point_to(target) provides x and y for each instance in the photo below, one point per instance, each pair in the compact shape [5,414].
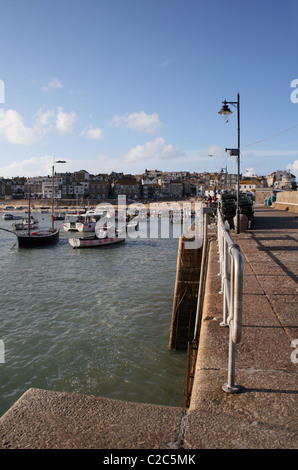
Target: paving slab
[42,419]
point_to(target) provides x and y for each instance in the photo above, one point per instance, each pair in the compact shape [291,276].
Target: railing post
[230,386]
[232,289]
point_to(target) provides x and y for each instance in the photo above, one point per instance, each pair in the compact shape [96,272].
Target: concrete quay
[262,416]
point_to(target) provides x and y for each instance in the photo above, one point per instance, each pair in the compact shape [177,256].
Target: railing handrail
[231,272]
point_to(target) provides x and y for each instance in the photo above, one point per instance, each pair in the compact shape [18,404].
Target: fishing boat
[70,221]
[99,240]
[24,224]
[42,237]
[87,222]
[104,236]
[93,241]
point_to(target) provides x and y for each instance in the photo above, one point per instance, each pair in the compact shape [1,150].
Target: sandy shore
[37,204]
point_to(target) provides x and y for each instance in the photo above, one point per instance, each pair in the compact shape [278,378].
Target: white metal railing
[231,272]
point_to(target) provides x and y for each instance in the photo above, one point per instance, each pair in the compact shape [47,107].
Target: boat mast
[53,195]
[29,210]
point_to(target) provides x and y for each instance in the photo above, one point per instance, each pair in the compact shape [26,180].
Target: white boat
[132,225]
[88,221]
[97,241]
[24,224]
[69,224]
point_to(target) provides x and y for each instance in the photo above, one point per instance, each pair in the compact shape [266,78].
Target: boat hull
[94,242]
[40,238]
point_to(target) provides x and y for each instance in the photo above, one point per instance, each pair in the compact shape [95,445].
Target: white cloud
[140,122]
[213,151]
[156,149]
[293,167]
[169,153]
[65,121]
[33,166]
[93,133]
[14,130]
[54,83]
[42,166]
[249,172]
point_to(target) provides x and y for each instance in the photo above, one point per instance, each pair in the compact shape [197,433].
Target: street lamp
[225,112]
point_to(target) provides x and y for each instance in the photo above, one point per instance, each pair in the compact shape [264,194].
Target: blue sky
[129,85]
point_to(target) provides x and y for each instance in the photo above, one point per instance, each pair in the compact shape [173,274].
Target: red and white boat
[104,239]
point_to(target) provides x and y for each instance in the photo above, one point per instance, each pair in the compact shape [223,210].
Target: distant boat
[24,224]
[58,217]
[11,217]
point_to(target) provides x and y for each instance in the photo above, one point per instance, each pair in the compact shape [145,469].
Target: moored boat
[11,217]
[87,222]
[103,237]
[58,217]
[41,237]
[70,221]
[24,224]
[92,242]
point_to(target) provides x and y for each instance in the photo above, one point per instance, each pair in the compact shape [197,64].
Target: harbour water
[92,321]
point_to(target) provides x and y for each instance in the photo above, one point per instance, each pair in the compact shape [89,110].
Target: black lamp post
[225,112]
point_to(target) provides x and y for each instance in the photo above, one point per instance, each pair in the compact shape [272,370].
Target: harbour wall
[185,296]
[189,287]
[287,201]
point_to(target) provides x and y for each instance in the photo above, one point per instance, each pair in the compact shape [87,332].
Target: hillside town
[150,185]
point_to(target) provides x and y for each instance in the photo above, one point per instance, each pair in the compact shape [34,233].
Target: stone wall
[287,201]
[262,194]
